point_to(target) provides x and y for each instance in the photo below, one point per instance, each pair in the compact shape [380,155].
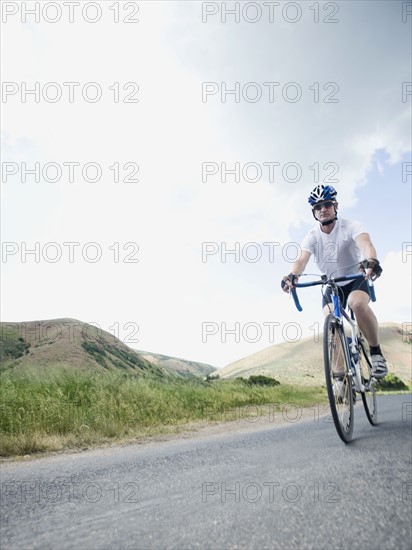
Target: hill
[183,367]
[38,346]
[302,361]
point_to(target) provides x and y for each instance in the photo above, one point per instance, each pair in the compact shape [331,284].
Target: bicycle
[348,367]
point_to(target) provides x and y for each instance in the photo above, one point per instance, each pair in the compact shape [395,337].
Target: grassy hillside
[182,367]
[302,362]
[69,343]
[38,346]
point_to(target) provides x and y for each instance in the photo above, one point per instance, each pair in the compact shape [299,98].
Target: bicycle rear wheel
[369,395]
[338,378]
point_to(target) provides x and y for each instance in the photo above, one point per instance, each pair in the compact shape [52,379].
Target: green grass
[391,382]
[81,409]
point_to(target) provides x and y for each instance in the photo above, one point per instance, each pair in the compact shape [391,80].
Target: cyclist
[336,244]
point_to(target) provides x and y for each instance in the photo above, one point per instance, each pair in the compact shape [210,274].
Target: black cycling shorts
[344,291]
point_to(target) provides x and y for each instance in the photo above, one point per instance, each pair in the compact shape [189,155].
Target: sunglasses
[326,204]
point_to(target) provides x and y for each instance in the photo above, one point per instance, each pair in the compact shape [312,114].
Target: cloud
[170,133]
[393,288]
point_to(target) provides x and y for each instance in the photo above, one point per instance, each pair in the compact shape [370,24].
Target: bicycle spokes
[338,378]
[369,383]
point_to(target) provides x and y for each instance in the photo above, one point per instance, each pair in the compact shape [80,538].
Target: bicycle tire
[336,360]
[368,396]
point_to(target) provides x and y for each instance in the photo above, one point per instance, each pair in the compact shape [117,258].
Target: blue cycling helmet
[322,193]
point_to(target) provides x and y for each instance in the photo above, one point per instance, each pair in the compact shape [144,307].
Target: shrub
[262,380]
[391,382]
[13,349]
[212,376]
[93,348]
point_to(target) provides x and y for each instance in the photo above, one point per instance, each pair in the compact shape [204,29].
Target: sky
[173,172]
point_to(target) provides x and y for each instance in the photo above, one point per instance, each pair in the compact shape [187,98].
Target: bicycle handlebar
[296,300]
[371,289]
[325,280]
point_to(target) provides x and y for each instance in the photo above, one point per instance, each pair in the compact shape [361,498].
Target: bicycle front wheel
[338,377]
[369,395]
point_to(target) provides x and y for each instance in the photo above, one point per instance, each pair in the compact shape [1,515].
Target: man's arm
[371,264]
[299,266]
[365,245]
[297,269]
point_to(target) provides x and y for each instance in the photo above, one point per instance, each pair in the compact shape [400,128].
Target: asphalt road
[290,486]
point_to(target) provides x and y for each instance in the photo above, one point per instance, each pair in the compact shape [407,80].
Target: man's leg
[327,309]
[359,302]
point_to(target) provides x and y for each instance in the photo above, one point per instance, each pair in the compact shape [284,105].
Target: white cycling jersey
[335,251]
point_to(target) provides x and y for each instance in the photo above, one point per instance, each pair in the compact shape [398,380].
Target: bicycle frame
[352,349]
[340,314]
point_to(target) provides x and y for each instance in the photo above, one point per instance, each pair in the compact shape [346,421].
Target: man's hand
[371,268]
[288,282]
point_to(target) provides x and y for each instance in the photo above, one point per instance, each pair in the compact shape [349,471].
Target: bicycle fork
[353,352]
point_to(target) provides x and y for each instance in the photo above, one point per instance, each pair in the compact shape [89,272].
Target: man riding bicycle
[337,245]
